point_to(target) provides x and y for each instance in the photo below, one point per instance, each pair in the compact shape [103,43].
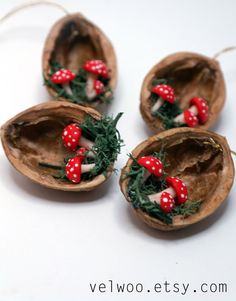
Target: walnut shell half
[34,136]
[202,159]
[192,75]
[71,42]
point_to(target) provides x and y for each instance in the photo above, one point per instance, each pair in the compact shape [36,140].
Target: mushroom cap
[73,170]
[96,67]
[98,87]
[166,92]
[167,202]
[70,136]
[180,188]
[62,76]
[190,119]
[202,107]
[152,164]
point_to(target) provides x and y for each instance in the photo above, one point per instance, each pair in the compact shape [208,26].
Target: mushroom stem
[157,105]
[90,91]
[194,110]
[155,198]
[67,88]
[179,119]
[86,143]
[146,176]
[87,167]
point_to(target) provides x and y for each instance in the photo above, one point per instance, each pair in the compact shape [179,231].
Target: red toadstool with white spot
[152,165]
[95,68]
[200,108]
[74,168]
[63,77]
[72,137]
[165,93]
[167,202]
[176,188]
[187,117]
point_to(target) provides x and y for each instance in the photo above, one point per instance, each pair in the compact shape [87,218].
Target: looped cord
[227,49]
[30,4]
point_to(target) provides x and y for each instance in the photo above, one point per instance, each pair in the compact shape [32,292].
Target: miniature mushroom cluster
[197,113]
[176,192]
[89,84]
[74,141]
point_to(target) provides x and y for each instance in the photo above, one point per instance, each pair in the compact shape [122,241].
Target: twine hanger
[227,49]
[32,3]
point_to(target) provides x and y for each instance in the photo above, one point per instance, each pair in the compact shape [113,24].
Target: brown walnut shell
[202,159]
[71,42]
[34,136]
[193,75]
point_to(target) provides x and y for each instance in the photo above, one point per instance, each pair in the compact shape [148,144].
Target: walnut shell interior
[34,136]
[193,75]
[71,42]
[201,159]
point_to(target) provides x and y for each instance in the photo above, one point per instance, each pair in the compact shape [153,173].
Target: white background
[53,244]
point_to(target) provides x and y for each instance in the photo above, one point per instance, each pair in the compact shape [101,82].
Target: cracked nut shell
[71,42]
[34,136]
[193,75]
[202,159]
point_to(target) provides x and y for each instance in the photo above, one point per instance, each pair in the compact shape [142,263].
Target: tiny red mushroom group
[72,138]
[95,69]
[176,192]
[165,93]
[197,113]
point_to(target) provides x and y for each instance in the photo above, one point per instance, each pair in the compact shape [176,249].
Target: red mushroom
[200,108]
[82,151]
[72,137]
[187,117]
[74,168]
[97,89]
[95,68]
[63,77]
[167,202]
[152,165]
[176,188]
[165,93]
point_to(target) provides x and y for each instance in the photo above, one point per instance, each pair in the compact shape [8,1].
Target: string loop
[30,4]
[227,49]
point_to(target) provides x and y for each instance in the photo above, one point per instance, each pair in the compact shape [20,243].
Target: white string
[30,4]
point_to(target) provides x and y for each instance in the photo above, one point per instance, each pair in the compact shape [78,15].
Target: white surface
[53,244]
